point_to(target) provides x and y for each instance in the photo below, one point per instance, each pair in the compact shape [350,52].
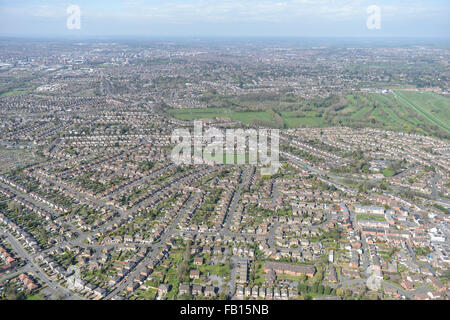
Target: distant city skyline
[288,18]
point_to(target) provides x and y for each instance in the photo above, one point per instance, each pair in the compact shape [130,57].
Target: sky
[260,18]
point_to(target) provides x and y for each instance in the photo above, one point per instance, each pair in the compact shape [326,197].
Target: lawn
[14,92]
[365,217]
[289,277]
[34,297]
[291,121]
[433,107]
[388,172]
[218,269]
[149,294]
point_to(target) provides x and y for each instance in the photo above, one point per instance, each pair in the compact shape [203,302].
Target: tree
[315,287]
[183,268]
[327,290]
[223,296]
[318,277]
[302,288]
[321,289]
[13,206]
[303,277]
[348,293]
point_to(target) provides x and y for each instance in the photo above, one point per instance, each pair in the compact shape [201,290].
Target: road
[434,181]
[31,200]
[362,282]
[365,247]
[236,198]
[233,272]
[20,250]
[142,265]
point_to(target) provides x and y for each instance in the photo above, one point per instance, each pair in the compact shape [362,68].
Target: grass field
[368,217]
[291,121]
[245,117]
[408,111]
[435,108]
[388,172]
[15,92]
[397,114]
[34,297]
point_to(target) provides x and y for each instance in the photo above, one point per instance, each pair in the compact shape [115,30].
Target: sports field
[434,108]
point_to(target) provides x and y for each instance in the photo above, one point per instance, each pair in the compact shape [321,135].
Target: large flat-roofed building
[243,270]
[290,269]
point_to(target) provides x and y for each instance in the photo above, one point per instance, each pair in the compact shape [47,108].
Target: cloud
[190,11]
[226,13]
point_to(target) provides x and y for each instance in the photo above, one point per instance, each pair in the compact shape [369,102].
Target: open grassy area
[388,172]
[422,112]
[435,108]
[149,294]
[218,269]
[293,121]
[35,297]
[408,111]
[366,217]
[14,92]
[247,117]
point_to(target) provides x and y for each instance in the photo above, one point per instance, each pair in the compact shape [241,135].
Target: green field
[411,111]
[408,111]
[388,172]
[292,121]
[247,117]
[15,92]
[34,297]
[368,217]
[435,108]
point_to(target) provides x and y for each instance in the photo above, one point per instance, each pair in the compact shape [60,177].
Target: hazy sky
[301,18]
